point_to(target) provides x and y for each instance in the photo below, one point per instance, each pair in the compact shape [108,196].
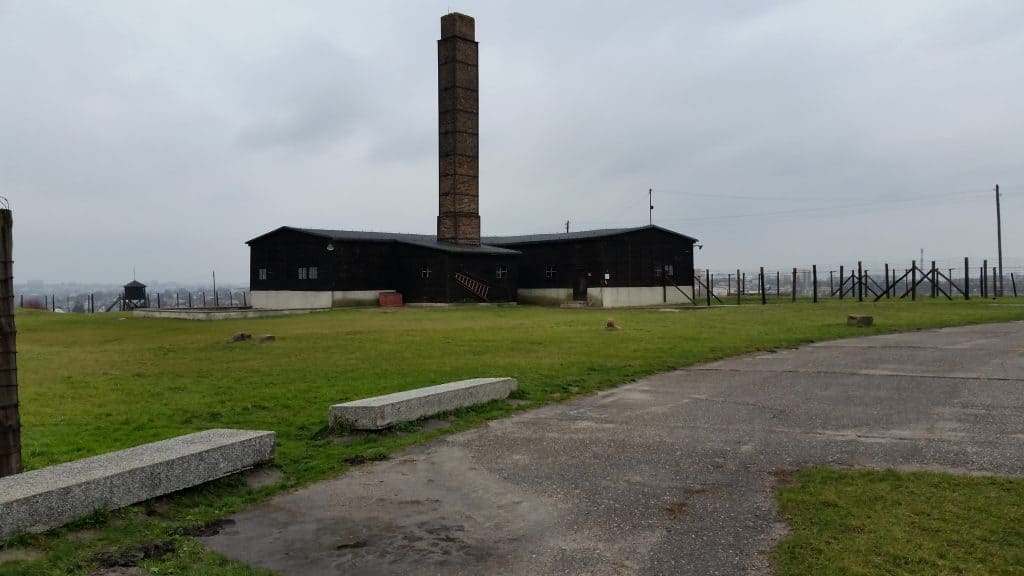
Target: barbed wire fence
[112,301]
[914,280]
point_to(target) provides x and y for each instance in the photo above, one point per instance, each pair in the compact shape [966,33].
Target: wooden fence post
[10,420]
[967,279]
[887,286]
[707,281]
[913,279]
[761,282]
[792,287]
[860,281]
[814,282]
[739,291]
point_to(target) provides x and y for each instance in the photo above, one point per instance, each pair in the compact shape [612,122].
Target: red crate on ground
[389,299]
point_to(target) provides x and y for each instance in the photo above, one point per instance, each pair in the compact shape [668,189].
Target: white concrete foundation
[544,296]
[357,297]
[622,297]
[313,299]
[290,299]
[217,313]
[42,499]
[383,411]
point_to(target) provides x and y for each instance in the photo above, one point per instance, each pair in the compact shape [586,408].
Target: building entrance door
[579,289]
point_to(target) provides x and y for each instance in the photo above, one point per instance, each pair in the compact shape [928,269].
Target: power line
[813,210]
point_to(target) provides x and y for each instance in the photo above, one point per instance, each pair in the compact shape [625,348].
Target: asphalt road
[673,474]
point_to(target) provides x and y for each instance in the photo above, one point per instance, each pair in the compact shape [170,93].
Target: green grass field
[866,522]
[92,384]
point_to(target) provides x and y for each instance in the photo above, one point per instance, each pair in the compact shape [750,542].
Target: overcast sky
[163,135]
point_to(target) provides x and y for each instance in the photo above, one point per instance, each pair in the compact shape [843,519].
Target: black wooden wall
[376,265]
[637,258]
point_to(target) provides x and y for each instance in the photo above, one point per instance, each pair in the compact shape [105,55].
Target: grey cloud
[167,134]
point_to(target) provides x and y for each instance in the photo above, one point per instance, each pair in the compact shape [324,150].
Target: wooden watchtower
[134,295]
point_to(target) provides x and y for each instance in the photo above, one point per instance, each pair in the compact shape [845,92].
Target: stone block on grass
[383,411]
[46,498]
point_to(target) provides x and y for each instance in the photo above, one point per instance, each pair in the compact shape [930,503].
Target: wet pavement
[673,474]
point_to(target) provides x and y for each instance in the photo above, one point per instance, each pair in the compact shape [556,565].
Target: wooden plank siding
[375,265]
[636,258]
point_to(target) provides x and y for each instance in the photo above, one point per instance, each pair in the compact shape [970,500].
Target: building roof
[570,236]
[490,244]
[135,284]
[422,240]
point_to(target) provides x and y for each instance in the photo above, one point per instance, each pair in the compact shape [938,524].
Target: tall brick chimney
[458,219]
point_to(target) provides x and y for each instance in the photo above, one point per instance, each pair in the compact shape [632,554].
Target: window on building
[261,273]
[669,270]
[501,271]
[302,273]
[550,272]
[425,272]
[313,273]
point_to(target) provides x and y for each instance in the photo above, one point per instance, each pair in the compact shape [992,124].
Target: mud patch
[121,558]
[209,529]
[20,554]
[120,571]
[434,424]
[675,509]
[783,477]
[358,459]
[257,478]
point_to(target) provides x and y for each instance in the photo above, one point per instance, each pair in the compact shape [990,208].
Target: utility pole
[999,243]
[650,203]
[10,421]
[215,289]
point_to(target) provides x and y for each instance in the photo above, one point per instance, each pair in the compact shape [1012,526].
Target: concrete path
[673,474]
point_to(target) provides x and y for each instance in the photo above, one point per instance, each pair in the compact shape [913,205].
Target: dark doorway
[579,289]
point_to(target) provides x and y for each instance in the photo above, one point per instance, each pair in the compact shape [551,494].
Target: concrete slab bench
[383,411]
[42,499]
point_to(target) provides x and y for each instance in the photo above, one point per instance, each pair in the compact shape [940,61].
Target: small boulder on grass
[241,336]
[859,321]
[611,325]
[267,338]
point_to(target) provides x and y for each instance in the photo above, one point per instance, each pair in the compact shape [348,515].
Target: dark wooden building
[609,268]
[314,268]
